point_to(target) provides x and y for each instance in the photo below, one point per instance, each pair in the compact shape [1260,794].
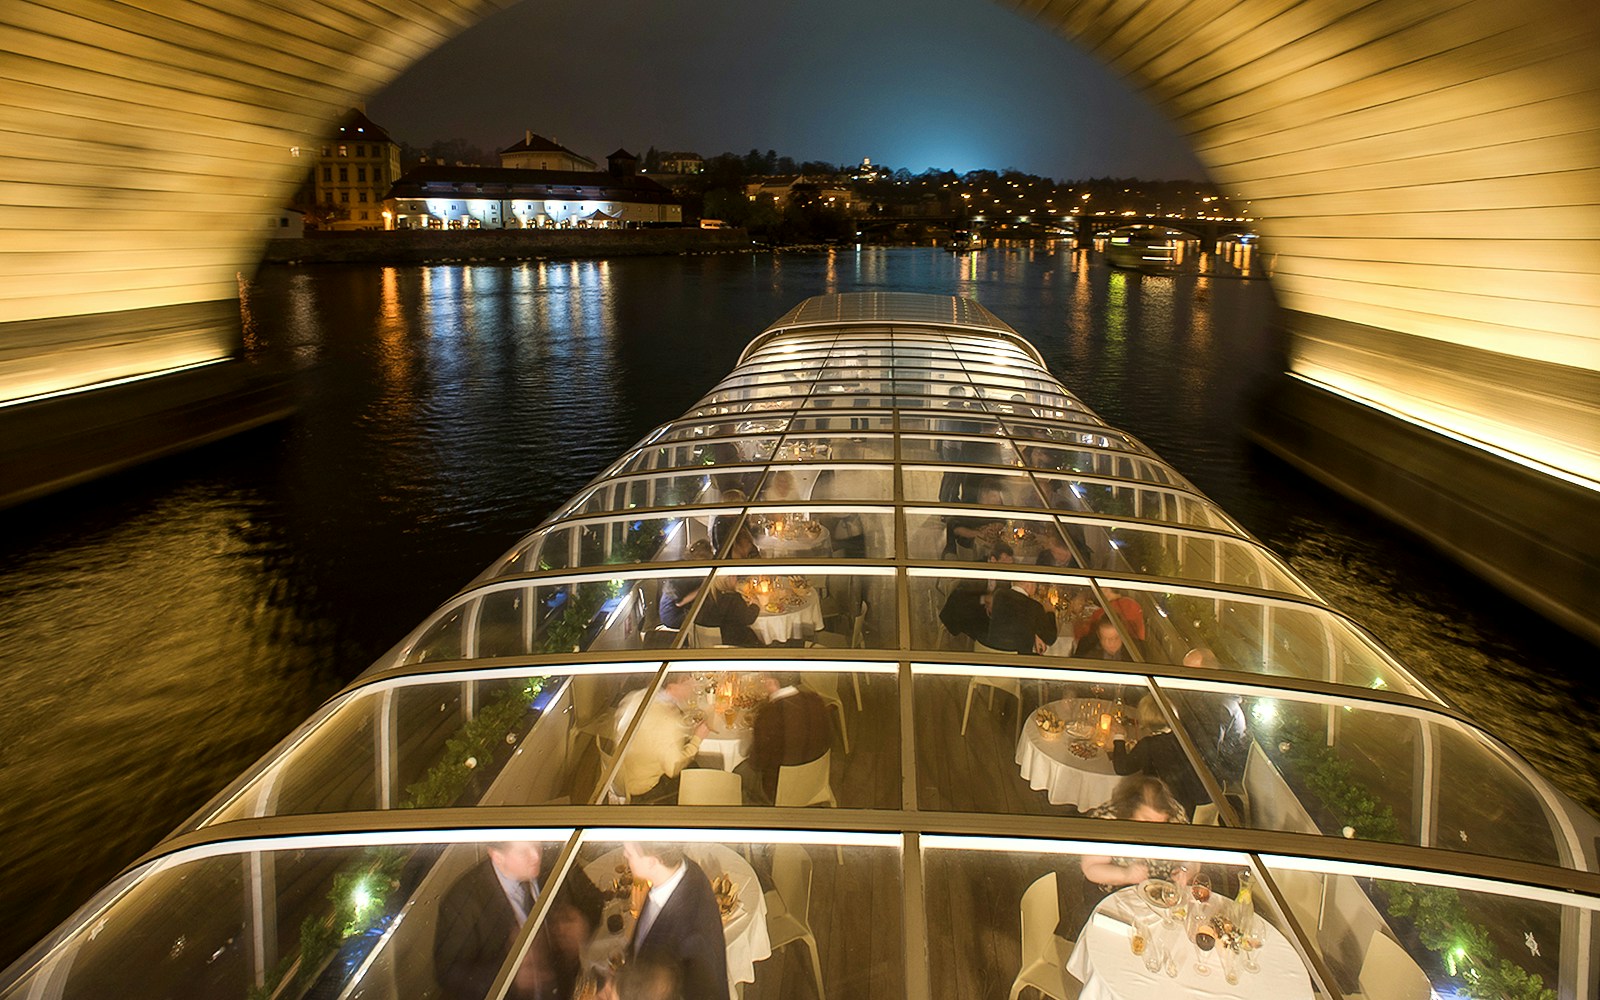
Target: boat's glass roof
[891,509]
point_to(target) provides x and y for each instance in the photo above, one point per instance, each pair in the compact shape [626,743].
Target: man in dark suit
[791,728]
[679,927]
[1019,623]
[482,913]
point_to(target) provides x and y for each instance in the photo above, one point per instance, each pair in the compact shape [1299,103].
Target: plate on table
[1080,730]
[1160,893]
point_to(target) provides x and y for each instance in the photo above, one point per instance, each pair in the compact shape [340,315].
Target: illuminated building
[440,197]
[350,175]
[535,152]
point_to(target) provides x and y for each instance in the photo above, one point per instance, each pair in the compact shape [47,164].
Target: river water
[162,629]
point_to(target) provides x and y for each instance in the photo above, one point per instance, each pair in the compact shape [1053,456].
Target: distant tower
[622,163]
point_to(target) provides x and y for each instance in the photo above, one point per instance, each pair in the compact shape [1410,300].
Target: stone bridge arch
[1426,171]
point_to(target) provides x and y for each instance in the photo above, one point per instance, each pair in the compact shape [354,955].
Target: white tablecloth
[773,547]
[723,747]
[1109,970]
[796,624]
[1052,768]
[745,934]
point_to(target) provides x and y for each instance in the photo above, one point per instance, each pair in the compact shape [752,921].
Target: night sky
[961,84]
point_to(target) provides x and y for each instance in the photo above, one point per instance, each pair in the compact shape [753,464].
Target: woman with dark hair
[1140,798]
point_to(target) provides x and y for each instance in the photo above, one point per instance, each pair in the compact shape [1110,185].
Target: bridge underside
[1425,173]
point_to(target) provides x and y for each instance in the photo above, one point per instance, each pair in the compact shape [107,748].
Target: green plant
[1438,914]
[565,633]
[359,893]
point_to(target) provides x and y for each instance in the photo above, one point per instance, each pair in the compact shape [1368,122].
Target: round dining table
[1050,766]
[744,931]
[798,622]
[795,542]
[1105,963]
[725,746]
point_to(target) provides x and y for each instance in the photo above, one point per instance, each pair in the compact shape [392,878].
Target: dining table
[790,608]
[1071,768]
[1103,960]
[791,538]
[744,930]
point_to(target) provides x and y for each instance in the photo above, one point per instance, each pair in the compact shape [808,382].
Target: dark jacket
[963,612]
[791,730]
[1015,619]
[476,927]
[1160,756]
[687,937]
[734,615]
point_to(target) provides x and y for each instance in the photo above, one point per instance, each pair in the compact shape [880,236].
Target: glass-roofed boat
[887,670]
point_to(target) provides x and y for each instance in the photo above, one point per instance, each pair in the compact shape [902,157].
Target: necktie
[530,893]
[647,919]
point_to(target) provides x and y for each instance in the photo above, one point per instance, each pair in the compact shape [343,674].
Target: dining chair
[803,785]
[826,686]
[1044,955]
[616,794]
[1205,814]
[789,905]
[1302,894]
[1010,685]
[706,636]
[705,786]
[856,640]
[1388,973]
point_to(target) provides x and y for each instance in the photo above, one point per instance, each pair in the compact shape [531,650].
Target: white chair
[1044,956]
[1302,894]
[980,647]
[704,786]
[789,905]
[803,785]
[826,687]
[857,640]
[1010,685]
[1388,973]
[1205,814]
[706,637]
[616,794]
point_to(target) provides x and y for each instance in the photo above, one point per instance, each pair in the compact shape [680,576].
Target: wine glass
[1205,941]
[1251,938]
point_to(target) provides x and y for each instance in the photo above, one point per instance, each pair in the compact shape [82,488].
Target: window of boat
[705,736]
[1097,462]
[840,901]
[1366,770]
[822,447]
[784,605]
[1408,933]
[1078,915]
[993,488]
[841,531]
[554,615]
[1110,496]
[1254,635]
[1178,553]
[692,487]
[825,481]
[690,430]
[722,451]
[959,534]
[953,609]
[513,736]
[956,447]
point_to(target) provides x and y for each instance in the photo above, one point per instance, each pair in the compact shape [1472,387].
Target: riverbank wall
[427,246]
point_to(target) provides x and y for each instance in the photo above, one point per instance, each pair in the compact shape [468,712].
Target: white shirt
[655,902]
[783,692]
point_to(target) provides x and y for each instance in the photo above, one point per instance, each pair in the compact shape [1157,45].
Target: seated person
[1158,754]
[1105,644]
[727,608]
[662,744]
[678,592]
[1127,609]
[1142,799]
[791,727]
[966,610]
[485,907]
[1019,623]
[731,527]
[780,486]
[963,533]
[679,927]
[1053,550]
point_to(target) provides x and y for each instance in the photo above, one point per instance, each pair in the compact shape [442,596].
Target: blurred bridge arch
[1427,173]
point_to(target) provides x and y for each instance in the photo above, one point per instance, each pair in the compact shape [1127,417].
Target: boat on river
[1142,248]
[998,601]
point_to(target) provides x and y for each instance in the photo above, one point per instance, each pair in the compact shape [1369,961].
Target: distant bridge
[1083,228]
